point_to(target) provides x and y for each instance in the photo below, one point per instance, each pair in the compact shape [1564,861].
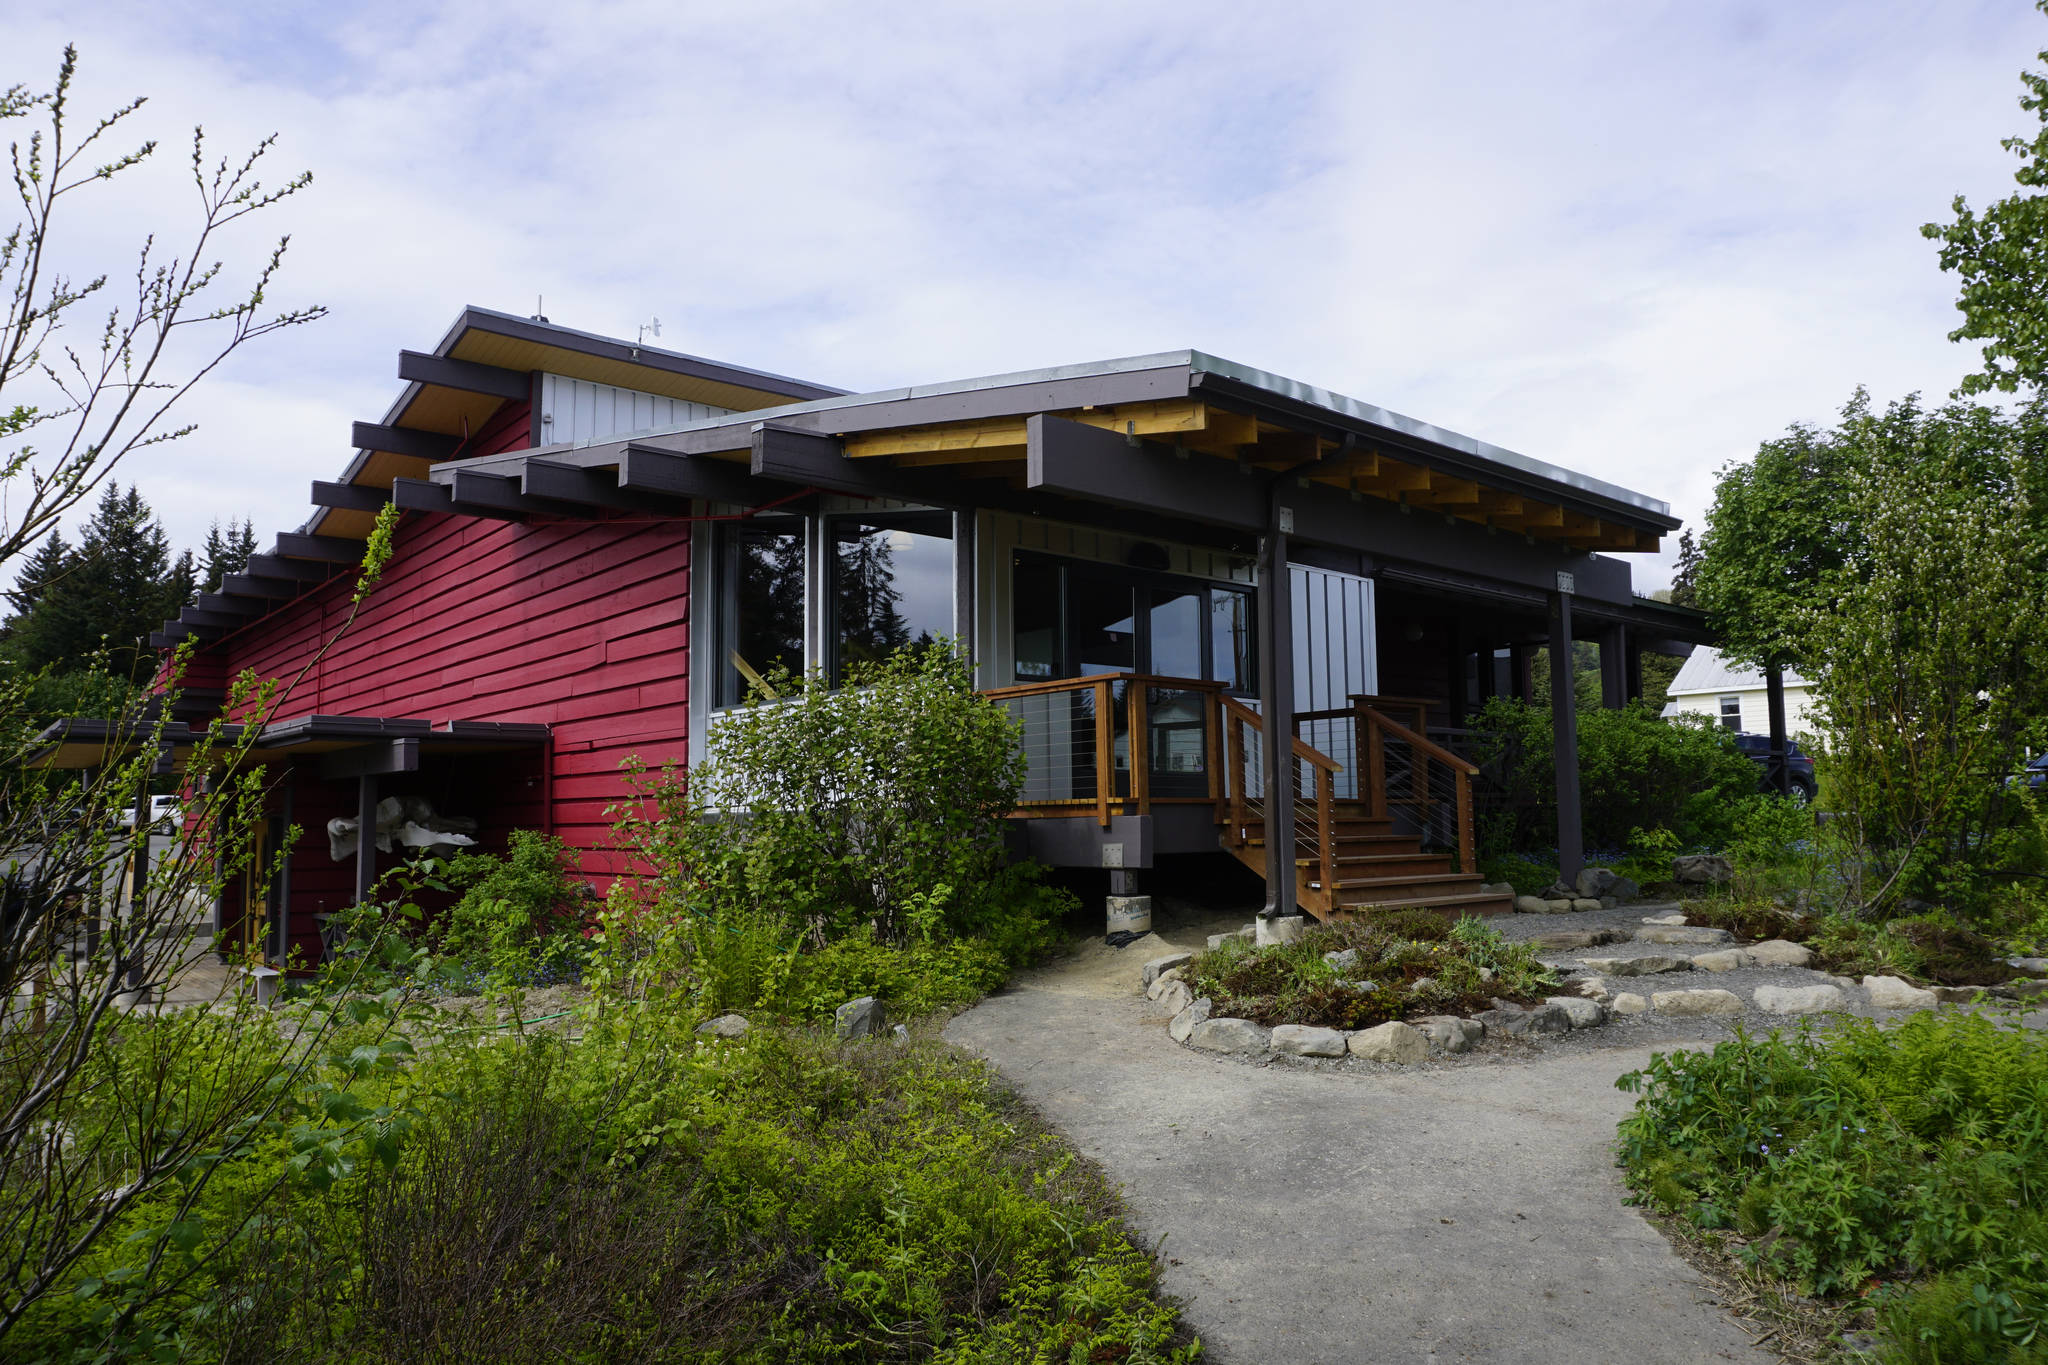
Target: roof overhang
[99,743]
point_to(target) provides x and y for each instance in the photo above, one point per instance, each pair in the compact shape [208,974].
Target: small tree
[1930,679]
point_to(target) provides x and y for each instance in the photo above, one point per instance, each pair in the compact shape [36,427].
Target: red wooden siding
[583,626]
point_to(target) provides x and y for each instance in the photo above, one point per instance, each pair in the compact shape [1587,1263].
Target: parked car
[1758,747]
[164,813]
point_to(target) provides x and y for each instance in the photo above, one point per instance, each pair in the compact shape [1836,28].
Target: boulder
[1682,933]
[1623,889]
[1237,1037]
[1344,959]
[1779,953]
[1561,905]
[1531,905]
[1183,1024]
[2026,988]
[2037,965]
[860,1018]
[1304,1040]
[725,1026]
[1581,1013]
[1175,998]
[1390,1042]
[1497,888]
[1277,929]
[1628,1002]
[1696,1002]
[1702,869]
[1218,940]
[1799,999]
[1160,965]
[1449,1033]
[1609,902]
[1595,988]
[1890,993]
[1585,903]
[1637,966]
[1595,881]
[1557,891]
[1512,1021]
[1165,979]
[1570,940]
[1668,917]
[1959,995]
[901,1032]
[1723,960]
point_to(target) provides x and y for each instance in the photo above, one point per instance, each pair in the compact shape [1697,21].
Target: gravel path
[1350,1212]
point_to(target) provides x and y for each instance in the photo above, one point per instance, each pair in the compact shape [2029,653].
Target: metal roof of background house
[1706,671]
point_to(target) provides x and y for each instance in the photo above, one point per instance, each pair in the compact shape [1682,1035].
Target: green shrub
[521,916]
[916,980]
[1855,1154]
[1529,876]
[1636,770]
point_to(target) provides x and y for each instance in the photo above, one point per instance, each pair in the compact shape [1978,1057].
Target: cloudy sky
[1631,238]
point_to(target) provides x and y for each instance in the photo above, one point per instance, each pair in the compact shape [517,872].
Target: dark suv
[1758,747]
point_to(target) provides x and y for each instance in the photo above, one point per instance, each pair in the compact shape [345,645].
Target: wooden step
[1349,845]
[1469,903]
[1444,883]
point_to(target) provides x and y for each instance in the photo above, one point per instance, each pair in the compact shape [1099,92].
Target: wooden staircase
[1376,868]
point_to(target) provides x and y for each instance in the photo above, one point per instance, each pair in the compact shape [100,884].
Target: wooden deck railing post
[1105,752]
[1235,729]
[1212,750]
[1466,841]
[1376,765]
[1326,833]
[1140,745]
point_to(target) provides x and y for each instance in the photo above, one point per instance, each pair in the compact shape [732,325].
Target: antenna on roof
[647,328]
[538,315]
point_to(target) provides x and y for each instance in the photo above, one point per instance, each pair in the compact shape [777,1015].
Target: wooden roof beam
[467,376]
[320,549]
[423,445]
[349,497]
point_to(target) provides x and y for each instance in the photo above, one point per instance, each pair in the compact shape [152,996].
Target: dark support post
[366,836]
[1779,773]
[1521,678]
[1564,720]
[1632,665]
[1456,655]
[1125,882]
[963,580]
[1276,708]
[1613,671]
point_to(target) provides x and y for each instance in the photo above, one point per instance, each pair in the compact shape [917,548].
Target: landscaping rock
[2028,964]
[1595,881]
[1450,1033]
[1512,1021]
[1570,940]
[1628,1002]
[1176,997]
[1163,980]
[1890,993]
[1279,929]
[1595,988]
[860,1018]
[1560,906]
[1531,905]
[1421,984]
[1305,1040]
[1682,933]
[1799,999]
[1609,902]
[725,1026]
[1343,959]
[1960,995]
[1779,953]
[1637,966]
[1184,1023]
[1723,960]
[1158,966]
[1390,1042]
[1218,940]
[1672,917]
[1559,891]
[1584,903]
[1702,869]
[902,1032]
[1696,1002]
[1625,890]
[2027,988]
[1580,1012]
[1497,888]
[1238,1037]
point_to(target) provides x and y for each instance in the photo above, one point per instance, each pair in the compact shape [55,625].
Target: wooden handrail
[1435,751]
[1302,750]
[1157,680]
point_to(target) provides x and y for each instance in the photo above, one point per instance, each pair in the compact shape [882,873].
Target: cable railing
[1080,756]
[1419,784]
[1315,840]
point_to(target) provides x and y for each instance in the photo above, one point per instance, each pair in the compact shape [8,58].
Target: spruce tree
[120,585]
[41,571]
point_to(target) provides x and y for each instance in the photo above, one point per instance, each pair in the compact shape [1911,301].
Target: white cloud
[1627,239]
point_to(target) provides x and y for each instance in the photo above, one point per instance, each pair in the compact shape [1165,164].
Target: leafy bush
[521,916]
[1408,963]
[1529,876]
[1906,1160]
[1636,770]
[870,813]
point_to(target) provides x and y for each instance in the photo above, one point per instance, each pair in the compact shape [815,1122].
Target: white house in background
[1709,685]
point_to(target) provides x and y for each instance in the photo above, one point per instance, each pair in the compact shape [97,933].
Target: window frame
[1138,581]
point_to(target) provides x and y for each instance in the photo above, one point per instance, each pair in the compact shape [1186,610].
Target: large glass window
[892,584]
[1177,632]
[1230,640]
[1071,619]
[765,563]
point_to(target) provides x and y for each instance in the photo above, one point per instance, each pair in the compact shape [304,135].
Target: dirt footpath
[1337,1215]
